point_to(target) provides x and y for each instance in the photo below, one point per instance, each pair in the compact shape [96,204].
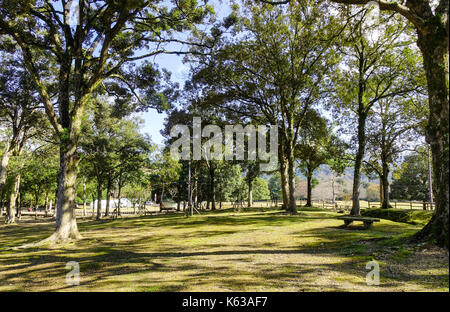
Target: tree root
[55,239]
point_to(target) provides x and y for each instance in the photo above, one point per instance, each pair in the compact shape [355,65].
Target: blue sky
[153,121]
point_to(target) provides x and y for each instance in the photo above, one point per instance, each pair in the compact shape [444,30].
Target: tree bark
[358,163]
[84,197]
[434,47]
[309,189]
[250,193]
[119,191]
[385,185]
[212,175]
[46,204]
[66,225]
[283,176]
[4,166]
[291,173]
[430,177]
[11,211]
[108,198]
[99,199]
[381,189]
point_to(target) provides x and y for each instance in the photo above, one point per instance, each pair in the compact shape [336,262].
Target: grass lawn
[255,250]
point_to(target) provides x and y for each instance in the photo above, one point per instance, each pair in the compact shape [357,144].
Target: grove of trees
[347,92]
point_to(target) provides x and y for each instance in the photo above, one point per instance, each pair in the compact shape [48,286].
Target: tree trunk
[430,177]
[381,189]
[66,224]
[36,204]
[213,186]
[84,197]
[99,199]
[434,47]
[161,205]
[11,211]
[19,204]
[46,204]
[4,166]
[385,185]
[309,189]
[108,198]
[118,201]
[250,193]
[291,173]
[283,174]
[358,163]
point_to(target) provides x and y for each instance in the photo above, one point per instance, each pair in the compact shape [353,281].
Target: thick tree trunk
[4,166]
[284,181]
[11,211]
[434,47]
[430,179]
[291,173]
[19,204]
[66,224]
[381,190]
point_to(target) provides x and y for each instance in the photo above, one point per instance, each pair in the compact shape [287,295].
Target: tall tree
[376,66]
[392,129]
[311,148]
[410,179]
[88,52]
[431,22]
[271,71]
[20,112]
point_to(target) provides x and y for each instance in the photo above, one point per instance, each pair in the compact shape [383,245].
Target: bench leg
[367,225]
[347,222]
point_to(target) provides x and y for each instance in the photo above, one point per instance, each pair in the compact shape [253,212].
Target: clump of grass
[354,249]
[401,255]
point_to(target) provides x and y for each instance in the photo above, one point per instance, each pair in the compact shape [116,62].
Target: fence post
[395,204]
[410,204]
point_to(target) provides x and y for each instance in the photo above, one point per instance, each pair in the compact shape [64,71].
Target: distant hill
[343,185]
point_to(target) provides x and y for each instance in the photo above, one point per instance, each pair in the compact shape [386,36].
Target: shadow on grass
[172,266]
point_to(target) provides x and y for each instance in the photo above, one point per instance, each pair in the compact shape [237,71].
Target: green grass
[419,217]
[254,250]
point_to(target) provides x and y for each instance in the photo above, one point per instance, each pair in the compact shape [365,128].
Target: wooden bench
[168,209]
[367,221]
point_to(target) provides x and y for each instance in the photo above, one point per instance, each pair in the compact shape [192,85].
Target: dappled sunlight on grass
[255,250]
